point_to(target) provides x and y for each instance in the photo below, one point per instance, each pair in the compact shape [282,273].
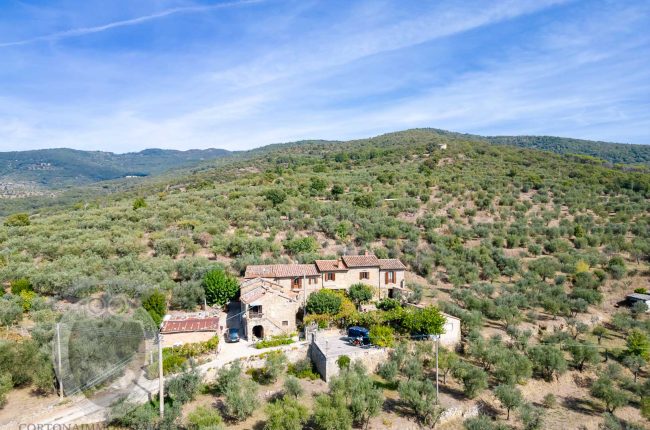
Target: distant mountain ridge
[616,153]
[26,173]
[63,167]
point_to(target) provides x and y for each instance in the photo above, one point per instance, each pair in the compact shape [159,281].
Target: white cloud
[325,84]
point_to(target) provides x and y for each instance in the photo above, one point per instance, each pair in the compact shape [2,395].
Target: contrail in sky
[76,32]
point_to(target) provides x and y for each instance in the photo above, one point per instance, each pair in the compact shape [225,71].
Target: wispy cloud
[297,69]
[76,32]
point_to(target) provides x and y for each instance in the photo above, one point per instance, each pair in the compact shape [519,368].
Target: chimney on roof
[366,253]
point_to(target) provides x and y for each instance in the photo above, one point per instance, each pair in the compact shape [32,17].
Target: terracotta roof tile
[252,295]
[391,264]
[360,260]
[190,325]
[255,289]
[280,270]
[330,266]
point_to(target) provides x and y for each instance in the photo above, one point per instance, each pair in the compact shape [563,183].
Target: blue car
[233,335]
[358,336]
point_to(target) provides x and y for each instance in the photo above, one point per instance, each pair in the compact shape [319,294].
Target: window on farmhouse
[390,277]
[330,276]
[285,323]
[296,283]
[313,281]
[364,275]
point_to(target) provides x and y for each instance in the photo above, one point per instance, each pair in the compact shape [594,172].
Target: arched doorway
[258,332]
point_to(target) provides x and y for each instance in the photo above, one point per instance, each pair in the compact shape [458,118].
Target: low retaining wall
[325,360]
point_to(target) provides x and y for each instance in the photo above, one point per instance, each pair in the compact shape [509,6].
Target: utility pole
[304,293]
[58,358]
[436,338]
[161,382]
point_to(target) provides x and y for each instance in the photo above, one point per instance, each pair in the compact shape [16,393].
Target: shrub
[277,340]
[332,413]
[549,401]
[547,361]
[11,310]
[303,369]
[301,245]
[389,370]
[19,285]
[474,379]
[286,414]
[364,400]
[183,387]
[175,358]
[388,304]
[139,203]
[324,302]
[168,247]
[343,362]
[531,416]
[187,295]
[220,287]
[155,303]
[275,196]
[5,386]
[481,422]
[425,321]
[382,335]
[292,387]
[240,398]
[638,344]
[420,396]
[616,267]
[17,220]
[605,390]
[365,201]
[203,418]
[273,368]
[226,376]
[360,293]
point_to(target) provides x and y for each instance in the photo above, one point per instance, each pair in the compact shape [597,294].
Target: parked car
[358,336]
[232,335]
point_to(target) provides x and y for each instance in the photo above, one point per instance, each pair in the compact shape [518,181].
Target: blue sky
[126,75]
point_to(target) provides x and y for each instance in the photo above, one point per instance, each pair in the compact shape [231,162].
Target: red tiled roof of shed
[190,325]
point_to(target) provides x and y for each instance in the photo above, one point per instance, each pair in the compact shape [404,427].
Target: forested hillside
[613,153]
[57,168]
[617,153]
[531,250]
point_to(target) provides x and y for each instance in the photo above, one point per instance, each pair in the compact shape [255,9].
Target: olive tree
[509,396]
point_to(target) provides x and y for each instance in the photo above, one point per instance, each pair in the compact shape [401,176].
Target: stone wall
[325,361]
[278,316]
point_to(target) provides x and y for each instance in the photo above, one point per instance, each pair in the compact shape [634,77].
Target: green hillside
[617,153]
[531,250]
[614,153]
[57,168]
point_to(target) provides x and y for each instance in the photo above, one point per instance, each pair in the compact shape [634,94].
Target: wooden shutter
[386,274]
[333,276]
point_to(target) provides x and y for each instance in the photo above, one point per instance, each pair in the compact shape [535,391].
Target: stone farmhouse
[271,295]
